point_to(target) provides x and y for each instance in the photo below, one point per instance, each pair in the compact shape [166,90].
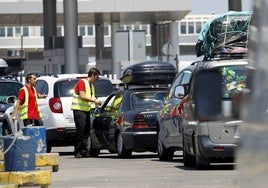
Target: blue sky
[216,6]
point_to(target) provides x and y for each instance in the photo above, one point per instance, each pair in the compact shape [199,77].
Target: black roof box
[149,72]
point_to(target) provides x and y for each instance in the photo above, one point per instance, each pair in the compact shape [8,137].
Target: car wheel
[188,160]
[122,152]
[49,147]
[200,162]
[163,153]
[5,131]
[94,152]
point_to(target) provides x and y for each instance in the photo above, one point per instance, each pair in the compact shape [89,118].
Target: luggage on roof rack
[227,33]
[149,72]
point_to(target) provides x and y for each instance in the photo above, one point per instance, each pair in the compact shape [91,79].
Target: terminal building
[56,36]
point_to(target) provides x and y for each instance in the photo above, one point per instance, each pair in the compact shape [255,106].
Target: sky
[216,6]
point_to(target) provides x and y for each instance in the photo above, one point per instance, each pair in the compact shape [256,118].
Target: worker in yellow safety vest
[27,103]
[83,102]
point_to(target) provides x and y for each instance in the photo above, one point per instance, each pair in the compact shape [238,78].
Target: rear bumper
[210,150]
[61,137]
[140,141]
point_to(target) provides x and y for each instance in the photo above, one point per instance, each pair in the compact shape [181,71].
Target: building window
[59,31]
[2,31]
[198,27]
[183,28]
[34,31]
[106,30]
[82,30]
[90,31]
[17,31]
[25,31]
[191,28]
[10,32]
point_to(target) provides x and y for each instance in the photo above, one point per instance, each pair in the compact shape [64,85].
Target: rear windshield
[148,100]
[234,80]
[65,88]
[9,89]
[103,88]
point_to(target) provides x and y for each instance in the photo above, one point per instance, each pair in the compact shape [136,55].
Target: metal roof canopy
[30,12]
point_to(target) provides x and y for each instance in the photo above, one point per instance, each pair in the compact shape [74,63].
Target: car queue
[143,114]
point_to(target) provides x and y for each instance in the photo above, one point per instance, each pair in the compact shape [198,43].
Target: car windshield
[234,80]
[147,100]
[9,89]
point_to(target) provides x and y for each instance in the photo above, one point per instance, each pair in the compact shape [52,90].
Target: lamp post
[21,56]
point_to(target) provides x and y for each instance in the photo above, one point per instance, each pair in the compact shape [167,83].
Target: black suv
[9,88]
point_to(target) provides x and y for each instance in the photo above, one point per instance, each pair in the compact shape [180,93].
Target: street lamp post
[21,56]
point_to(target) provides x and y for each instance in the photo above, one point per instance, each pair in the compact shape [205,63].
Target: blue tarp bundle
[227,33]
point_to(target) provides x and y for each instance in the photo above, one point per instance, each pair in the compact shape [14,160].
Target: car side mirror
[207,94]
[180,91]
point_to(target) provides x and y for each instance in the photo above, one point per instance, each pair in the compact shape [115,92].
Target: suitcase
[149,72]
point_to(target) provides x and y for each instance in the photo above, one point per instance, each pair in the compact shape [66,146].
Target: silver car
[207,140]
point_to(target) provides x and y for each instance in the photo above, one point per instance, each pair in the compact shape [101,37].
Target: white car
[56,107]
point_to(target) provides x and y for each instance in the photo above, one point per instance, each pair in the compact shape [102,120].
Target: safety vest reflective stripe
[23,110]
[83,105]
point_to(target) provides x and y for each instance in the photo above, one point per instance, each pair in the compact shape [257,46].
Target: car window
[41,86]
[64,88]
[146,100]
[234,80]
[186,77]
[9,89]
[103,88]
[182,78]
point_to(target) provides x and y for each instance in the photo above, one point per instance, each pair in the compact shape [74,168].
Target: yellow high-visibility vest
[83,105]
[23,110]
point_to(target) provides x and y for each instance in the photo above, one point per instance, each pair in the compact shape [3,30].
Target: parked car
[208,140]
[127,122]
[56,108]
[169,122]
[9,88]
[128,119]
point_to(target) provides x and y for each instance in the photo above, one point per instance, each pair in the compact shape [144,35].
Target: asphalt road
[142,170]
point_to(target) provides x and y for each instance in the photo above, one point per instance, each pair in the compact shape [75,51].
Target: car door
[169,118]
[105,121]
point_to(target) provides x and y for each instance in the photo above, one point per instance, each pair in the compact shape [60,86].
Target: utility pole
[235,5]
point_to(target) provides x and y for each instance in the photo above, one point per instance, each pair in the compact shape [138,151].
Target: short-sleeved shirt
[80,86]
[32,106]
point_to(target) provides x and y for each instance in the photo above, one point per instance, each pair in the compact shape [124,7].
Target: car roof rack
[143,86]
[9,77]
[48,74]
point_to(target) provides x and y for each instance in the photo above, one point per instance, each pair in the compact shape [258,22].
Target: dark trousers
[33,122]
[82,124]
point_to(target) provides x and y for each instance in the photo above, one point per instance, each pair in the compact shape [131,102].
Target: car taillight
[139,122]
[55,105]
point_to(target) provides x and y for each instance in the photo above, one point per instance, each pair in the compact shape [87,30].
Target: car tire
[200,162]
[49,147]
[5,131]
[163,153]
[94,152]
[122,152]
[188,160]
